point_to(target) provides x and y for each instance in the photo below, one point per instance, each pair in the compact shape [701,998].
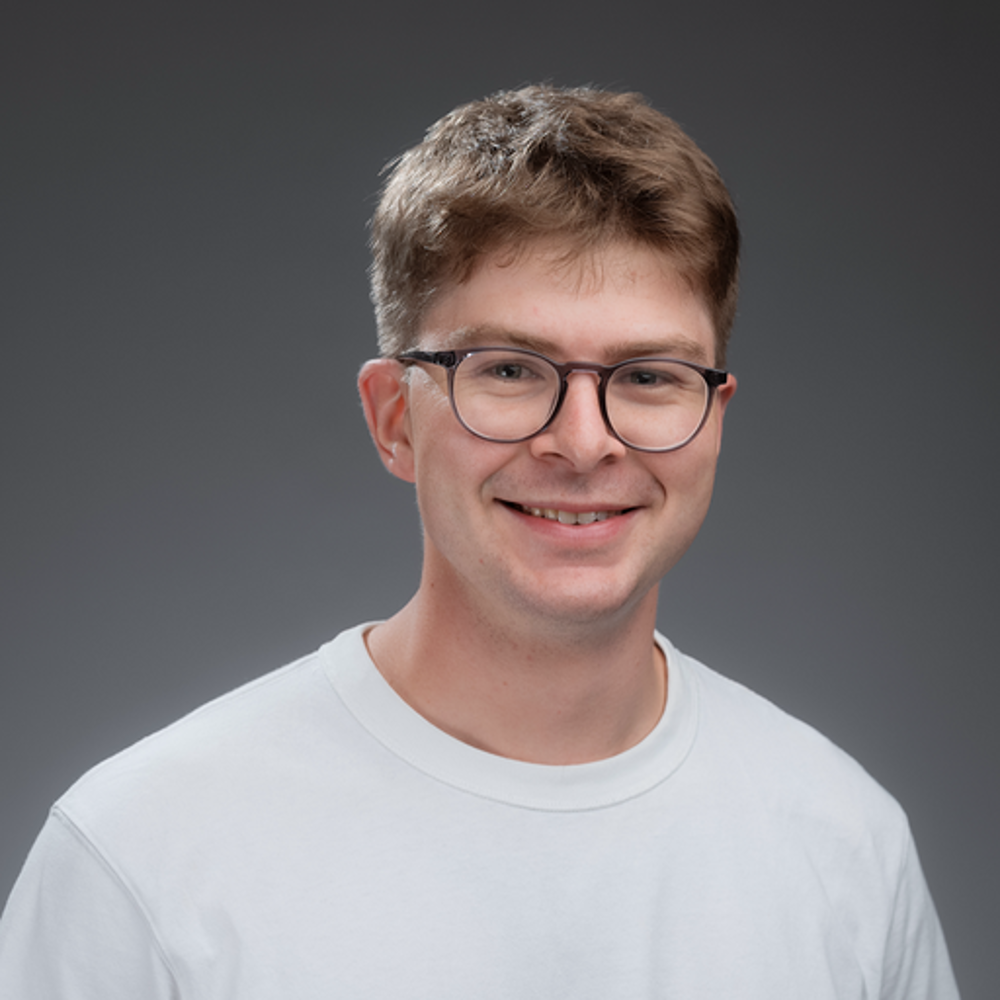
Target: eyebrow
[675,345]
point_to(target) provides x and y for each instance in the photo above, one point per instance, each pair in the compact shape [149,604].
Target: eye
[657,383]
[507,375]
[509,371]
[491,367]
[651,377]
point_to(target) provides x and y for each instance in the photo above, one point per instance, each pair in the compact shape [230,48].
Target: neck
[545,692]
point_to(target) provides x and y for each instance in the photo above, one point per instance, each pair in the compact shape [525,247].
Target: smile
[567,516]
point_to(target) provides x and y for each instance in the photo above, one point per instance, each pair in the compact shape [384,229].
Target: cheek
[688,478]
[448,477]
[687,484]
[433,430]
[687,468]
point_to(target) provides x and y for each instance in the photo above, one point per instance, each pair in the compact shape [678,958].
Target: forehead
[606,304]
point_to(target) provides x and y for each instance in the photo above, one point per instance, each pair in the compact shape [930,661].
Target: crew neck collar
[569,787]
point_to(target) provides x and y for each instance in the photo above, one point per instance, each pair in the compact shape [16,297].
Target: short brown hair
[583,165]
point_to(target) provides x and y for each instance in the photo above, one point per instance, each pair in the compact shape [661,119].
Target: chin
[580,607]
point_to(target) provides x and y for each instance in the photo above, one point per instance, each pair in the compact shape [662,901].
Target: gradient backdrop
[189,497]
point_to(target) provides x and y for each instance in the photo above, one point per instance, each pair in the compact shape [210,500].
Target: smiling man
[545,533]
[515,787]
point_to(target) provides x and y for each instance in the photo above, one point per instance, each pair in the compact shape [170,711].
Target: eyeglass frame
[450,360]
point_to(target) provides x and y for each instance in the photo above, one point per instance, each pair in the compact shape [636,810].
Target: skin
[526,637]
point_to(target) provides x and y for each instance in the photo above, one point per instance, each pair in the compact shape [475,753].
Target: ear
[385,399]
[723,394]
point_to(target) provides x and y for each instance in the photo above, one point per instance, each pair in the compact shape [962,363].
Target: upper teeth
[569,516]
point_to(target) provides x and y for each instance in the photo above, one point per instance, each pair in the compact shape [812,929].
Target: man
[514,787]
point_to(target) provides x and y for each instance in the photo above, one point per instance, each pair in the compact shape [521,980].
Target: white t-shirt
[311,837]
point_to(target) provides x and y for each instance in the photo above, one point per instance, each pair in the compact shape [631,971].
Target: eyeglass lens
[508,396]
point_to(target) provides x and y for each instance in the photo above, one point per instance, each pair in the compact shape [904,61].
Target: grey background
[189,497]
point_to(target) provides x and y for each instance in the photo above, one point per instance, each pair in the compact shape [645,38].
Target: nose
[579,434]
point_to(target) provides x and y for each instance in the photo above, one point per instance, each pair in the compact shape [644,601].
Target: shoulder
[786,768]
[815,837]
[252,739]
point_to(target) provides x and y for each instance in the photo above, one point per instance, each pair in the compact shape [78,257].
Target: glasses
[507,395]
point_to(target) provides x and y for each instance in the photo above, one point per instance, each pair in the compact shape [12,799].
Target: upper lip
[570,508]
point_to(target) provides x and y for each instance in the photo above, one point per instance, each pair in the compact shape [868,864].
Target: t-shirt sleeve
[72,929]
[917,965]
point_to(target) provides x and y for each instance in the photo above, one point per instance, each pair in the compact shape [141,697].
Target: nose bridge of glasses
[582,367]
[599,374]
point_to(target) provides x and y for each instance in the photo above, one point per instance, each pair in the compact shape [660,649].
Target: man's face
[482,543]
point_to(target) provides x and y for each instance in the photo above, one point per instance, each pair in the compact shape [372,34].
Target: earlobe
[384,399]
